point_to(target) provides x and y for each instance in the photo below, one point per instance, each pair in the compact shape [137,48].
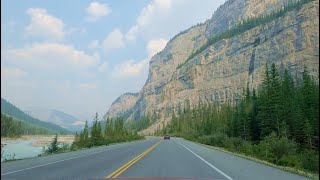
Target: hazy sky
[79,56]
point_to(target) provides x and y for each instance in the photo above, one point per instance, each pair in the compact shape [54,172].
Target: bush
[237,142]
[273,148]
[218,139]
[290,160]
[205,140]
[247,148]
[310,160]
[228,144]
[283,146]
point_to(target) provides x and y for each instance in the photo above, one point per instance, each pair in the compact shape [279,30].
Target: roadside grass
[9,158]
[285,168]
[83,148]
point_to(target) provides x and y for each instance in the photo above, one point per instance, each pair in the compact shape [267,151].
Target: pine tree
[53,145]
[287,103]
[275,98]
[86,132]
[96,136]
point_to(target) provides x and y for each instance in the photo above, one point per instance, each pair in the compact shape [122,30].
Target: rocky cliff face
[221,71]
[122,106]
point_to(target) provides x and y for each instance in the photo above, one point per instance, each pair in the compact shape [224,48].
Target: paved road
[146,158]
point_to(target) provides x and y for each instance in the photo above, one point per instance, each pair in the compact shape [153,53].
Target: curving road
[152,157]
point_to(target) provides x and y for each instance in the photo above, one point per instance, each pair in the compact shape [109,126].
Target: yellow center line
[126,166]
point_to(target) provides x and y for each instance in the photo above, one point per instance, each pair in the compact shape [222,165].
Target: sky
[79,56]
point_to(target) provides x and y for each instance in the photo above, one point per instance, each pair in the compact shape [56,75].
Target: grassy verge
[83,148]
[288,169]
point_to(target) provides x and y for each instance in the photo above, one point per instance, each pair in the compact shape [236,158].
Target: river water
[20,148]
[29,146]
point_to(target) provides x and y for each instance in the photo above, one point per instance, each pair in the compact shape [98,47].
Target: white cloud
[129,68]
[148,13]
[97,10]
[7,72]
[44,25]
[103,67]
[50,58]
[113,40]
[175,16]
[93,44]
[132,33]
[156,45]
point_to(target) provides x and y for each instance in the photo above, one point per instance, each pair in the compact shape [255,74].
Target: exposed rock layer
[223,70]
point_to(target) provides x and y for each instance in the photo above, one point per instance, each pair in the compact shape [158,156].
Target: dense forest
[13,111]
[279,122]
[10,127]
[96,135]
[246,25]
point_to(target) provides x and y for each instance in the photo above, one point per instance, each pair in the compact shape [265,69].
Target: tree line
[113,131]
[246,25]
[11,127]
[278,122]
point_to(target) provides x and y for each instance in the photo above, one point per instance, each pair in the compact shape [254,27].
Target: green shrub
[246,148]
[273,148]
[228,144]
[283,146]
[310,160]
[290,160]
[205,139]
[237,142]
[218,139]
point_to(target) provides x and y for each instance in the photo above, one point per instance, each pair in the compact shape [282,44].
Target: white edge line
[212,166]
[58,161]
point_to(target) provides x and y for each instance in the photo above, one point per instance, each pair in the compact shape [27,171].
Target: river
[27,146]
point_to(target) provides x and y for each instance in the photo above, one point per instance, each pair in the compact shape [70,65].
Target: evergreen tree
[86,132]
[265,108]
[54,146]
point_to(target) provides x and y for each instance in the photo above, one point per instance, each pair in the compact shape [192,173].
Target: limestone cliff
[221,71]
[122,106]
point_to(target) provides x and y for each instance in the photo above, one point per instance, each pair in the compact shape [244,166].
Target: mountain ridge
[13,111]
[57,117]
[223,69]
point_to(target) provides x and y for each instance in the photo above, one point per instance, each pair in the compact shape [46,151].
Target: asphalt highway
[152,157]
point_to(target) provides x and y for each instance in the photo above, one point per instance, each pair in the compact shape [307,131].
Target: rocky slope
[122,106]
[221,71]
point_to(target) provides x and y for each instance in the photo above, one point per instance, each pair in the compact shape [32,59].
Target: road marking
[212,166]
[126,166]
[57,161]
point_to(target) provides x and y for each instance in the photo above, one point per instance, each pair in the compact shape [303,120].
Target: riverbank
[38,140]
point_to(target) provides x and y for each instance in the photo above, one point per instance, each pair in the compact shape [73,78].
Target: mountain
[214,61]
[122,107]
[11,110]
[59,118]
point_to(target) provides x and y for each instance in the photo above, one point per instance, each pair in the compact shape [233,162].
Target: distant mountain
[11,110]
[57,117]
[122,107]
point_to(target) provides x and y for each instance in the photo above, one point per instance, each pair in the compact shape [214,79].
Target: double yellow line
[124,167]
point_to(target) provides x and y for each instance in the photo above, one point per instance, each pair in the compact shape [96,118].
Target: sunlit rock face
[224,69]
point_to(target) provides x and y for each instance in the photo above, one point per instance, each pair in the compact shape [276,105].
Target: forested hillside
[9,109]
[11,127]
[278,122]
